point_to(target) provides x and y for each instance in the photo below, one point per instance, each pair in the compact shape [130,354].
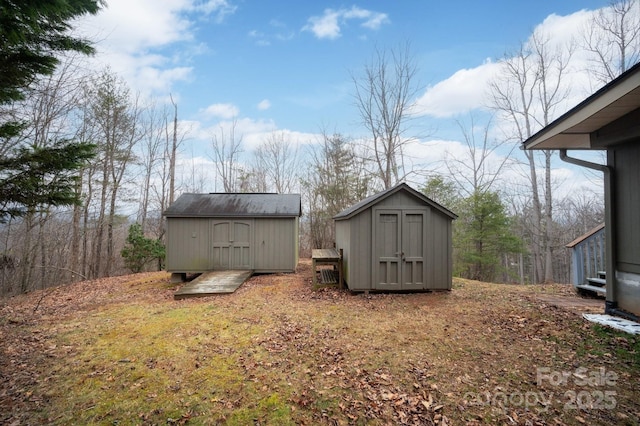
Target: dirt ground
[121,350]
[573,303]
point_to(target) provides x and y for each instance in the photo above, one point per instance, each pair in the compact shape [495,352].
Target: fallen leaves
[281,351]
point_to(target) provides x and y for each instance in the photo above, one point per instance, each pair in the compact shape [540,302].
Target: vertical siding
[275,245]
[627,207]
[343,241]
[296,241]
[440,235]
[355,237]
[361,252]
[188,245]
[626,212]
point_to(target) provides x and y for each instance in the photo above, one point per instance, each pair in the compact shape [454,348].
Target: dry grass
[122,351]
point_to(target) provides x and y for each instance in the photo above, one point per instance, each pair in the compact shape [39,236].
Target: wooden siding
[440,247]
[275,245]
[355,240]
[268,245]
[343,240]
[356,237]
[188,245]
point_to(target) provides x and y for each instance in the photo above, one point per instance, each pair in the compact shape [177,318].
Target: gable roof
[573,129]
[235,205]
[369,201]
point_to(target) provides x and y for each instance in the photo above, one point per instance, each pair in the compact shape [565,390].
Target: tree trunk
[548,228]
[536,251]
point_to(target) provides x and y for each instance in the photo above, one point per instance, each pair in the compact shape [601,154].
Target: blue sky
[287,65]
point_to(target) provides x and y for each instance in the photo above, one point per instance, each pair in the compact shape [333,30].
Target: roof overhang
[577,129]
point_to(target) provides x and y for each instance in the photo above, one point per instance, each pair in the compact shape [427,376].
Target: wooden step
[599,290]
[602,274]
[597,281]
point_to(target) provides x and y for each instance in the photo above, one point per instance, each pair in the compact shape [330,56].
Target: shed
[258,232]
[397,239]
[608,120]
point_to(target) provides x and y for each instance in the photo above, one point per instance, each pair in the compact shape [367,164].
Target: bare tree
[115,115]
[151,153]
[526,93]
[613,38]
[227,147]
[277,159]
[173,152]
[478,170]
[383,96]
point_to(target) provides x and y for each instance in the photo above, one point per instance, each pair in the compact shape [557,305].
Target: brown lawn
[122,351]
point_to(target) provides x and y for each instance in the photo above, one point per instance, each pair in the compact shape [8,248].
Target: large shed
[397,239]
[258,232]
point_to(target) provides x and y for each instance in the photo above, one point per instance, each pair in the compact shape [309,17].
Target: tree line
[87,167]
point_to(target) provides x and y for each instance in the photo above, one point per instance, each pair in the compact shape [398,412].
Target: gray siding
[272,244]
[626,212]
[628,292]
[440,247]
[356,234]
[627,206]
[188,245]
[343,241]
[354,237]
[275,245]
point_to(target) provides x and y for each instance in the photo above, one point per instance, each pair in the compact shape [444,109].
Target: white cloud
[329,24]
[466,89]
[462,92]
[148,42]
[219,8]
[264,105]
[223,111]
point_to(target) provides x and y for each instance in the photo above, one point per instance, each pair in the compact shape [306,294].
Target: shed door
[231,244]
[399,252]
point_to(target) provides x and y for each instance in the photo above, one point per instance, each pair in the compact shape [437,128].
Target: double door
[232,244]
[399,249]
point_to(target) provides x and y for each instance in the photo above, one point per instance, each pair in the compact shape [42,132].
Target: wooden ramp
[212,283]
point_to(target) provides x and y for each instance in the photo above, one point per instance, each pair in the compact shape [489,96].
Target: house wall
[274,244]
[625,159]
[355,235]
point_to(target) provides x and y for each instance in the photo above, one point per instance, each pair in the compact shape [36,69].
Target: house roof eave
[573,129]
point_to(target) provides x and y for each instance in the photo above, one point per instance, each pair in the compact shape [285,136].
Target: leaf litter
[276,352]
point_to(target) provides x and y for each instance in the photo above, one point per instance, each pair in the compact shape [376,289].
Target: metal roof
[369,201]
[236,205]
[573,129]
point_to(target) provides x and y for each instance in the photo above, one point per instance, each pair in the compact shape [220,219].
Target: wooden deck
[213,283]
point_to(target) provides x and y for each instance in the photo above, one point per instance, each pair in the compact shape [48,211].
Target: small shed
[258,232]
[397,239]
